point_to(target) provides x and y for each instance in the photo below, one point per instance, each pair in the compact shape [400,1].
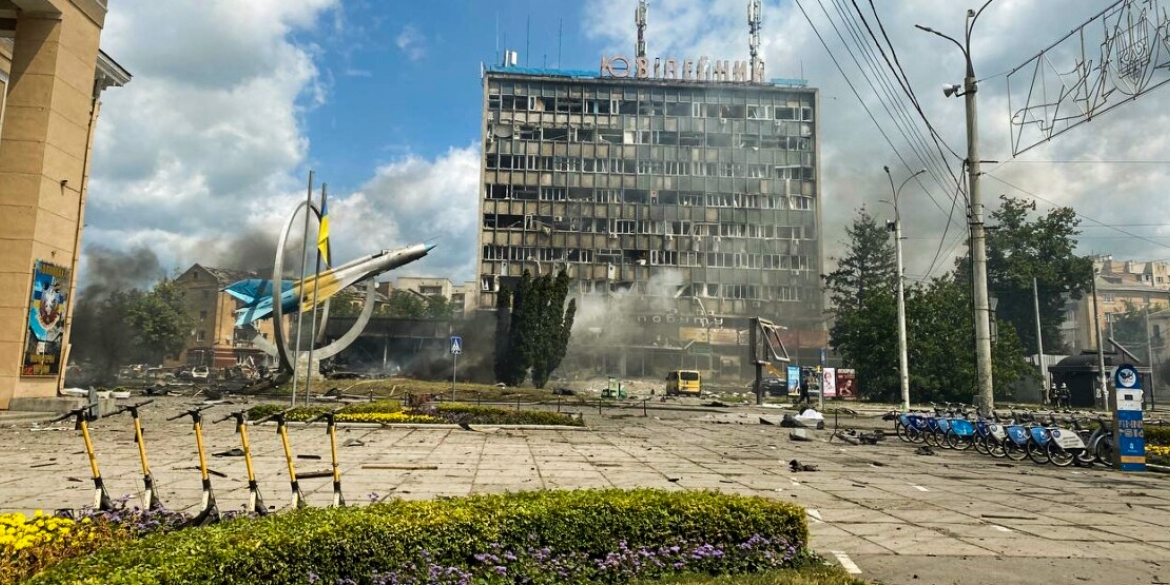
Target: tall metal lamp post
[896,227]
[985,396]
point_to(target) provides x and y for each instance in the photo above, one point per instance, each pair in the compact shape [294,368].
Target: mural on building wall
[46,320]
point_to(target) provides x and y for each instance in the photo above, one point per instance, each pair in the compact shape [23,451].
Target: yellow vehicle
[684,383]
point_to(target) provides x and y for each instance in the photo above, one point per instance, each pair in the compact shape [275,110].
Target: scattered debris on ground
[797,466]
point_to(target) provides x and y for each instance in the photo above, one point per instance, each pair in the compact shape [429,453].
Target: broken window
[718,140]
[678,109]
[759,112]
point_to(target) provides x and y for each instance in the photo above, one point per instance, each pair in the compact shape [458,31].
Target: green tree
[439,307]
[160,321]
[554,324]
[868,265]
[941,344]
[403,304]
[533,331]
[863,293]
[100,336]
[1023,247]
[503,365]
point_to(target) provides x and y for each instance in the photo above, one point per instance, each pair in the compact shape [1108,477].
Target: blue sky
[407,80]
[201,157]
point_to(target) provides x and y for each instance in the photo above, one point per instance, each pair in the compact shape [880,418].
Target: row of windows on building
[648,257]
[803,170]
[659,107]
[643,197]
[788,138]
[592,225]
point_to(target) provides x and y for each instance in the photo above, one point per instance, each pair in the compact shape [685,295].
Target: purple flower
[313,577]
[501,570]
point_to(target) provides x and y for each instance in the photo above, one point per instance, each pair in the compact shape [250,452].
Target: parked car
[774,386]
[200,373]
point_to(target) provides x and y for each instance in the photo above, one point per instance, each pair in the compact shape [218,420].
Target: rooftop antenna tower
[640,20]
[755,17]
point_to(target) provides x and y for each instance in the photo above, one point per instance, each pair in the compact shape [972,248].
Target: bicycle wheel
[960,443]
[901,430]
[1057,455]
[994,447]
[1035,452]
[931,438]
[1087,456]
[915,435]
[980,444]
[950,439]
[1013,450]
[1104,451]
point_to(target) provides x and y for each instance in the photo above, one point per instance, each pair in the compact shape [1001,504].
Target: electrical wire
[1080,215]
[885,106]
[904,79]
[903,120]
[852,88]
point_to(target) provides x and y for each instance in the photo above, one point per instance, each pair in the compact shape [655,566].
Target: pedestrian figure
[1065,399]
[804,395]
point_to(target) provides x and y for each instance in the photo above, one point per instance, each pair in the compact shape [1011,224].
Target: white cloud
[211,122]
[853,152]
[411,41]
[412,200]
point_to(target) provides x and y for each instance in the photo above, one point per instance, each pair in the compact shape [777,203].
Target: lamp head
[950,89]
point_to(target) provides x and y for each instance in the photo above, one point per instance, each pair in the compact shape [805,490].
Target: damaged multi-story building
[682,196]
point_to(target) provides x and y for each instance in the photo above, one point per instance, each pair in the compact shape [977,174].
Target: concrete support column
[44,147]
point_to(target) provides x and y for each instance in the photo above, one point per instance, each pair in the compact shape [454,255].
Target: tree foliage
[130,326]
[862,289]
[534,332]
[939,323]
[1023,247]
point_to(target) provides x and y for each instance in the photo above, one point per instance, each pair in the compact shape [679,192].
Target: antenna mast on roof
[755,17]
[640,20]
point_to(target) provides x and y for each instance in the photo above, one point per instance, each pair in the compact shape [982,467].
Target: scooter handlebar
[192,412]
[130,407]
[70,414]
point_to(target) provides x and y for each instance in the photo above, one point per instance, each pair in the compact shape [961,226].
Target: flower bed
[594,536]
[29,544]
[390,411]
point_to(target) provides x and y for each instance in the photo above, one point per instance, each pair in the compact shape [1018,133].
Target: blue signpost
[1127,419]
[456,349]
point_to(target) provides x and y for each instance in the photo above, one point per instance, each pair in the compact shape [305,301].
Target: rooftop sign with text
[704,69]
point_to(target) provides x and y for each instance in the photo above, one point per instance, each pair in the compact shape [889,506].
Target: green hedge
[1157,435]
[354,543]
[304,413]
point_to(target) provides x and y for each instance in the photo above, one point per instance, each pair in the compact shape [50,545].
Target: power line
[1080,215]
[849,82]
[924,158]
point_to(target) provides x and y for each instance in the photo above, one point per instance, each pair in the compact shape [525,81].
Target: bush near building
[543,537]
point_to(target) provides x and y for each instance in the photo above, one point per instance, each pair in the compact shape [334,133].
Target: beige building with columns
[51,75]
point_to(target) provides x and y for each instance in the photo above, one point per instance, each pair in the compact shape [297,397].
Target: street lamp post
[978,238]
[903,362]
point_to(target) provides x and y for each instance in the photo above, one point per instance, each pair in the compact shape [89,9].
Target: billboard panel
[46,320]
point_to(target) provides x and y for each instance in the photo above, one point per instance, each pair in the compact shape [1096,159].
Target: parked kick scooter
[255,500]
[210,512]
[298,499]
[101,498]
[331,426]
[150,496]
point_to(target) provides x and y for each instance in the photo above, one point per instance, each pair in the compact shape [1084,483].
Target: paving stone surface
[900,517]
